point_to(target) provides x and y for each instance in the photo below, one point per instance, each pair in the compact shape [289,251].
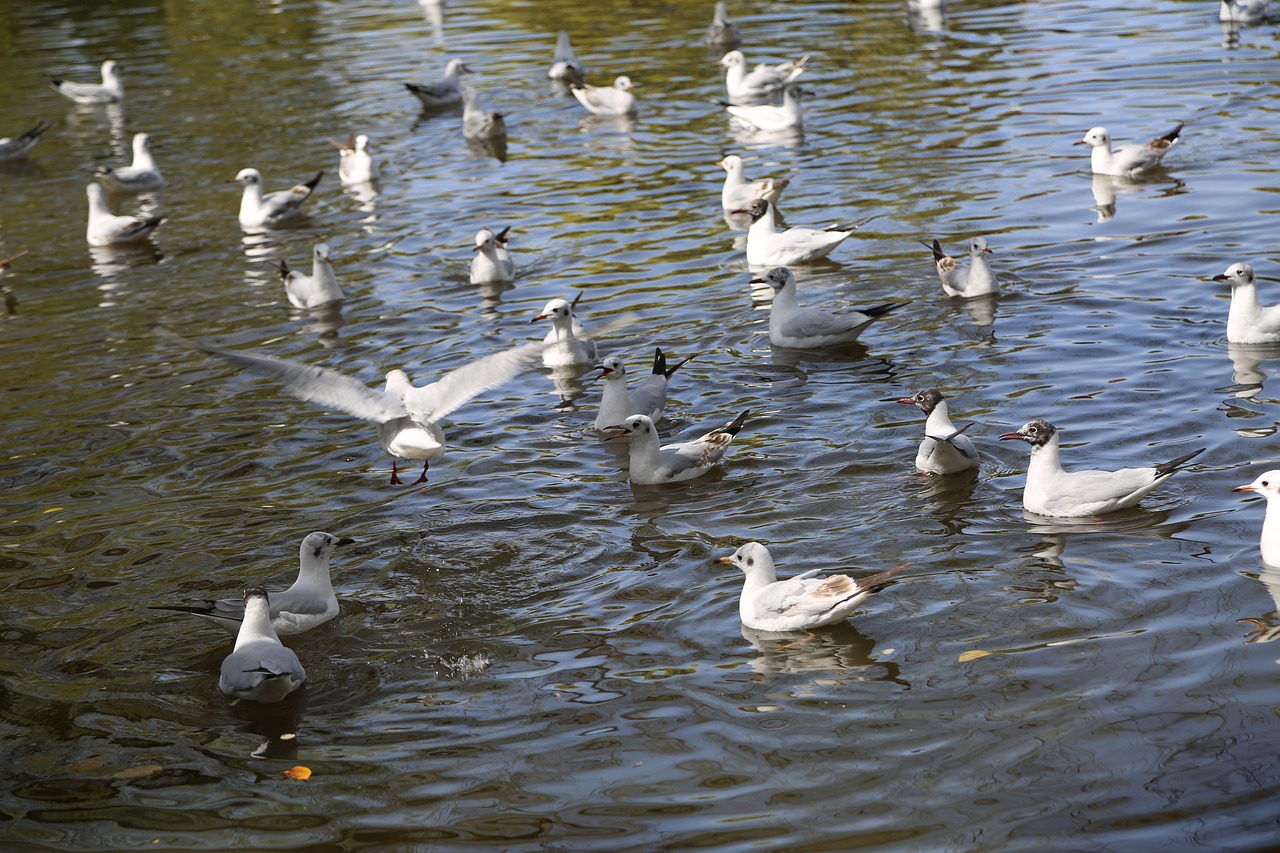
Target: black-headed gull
[308,603]
[447,92]
[615,100]
[265,211]
[20,146]
[768,247]
[1127,160]
[648,398]
[407,416]
[140,176]
[1248,321]
[107,229]
[653,463]
[794,327]
[1268,485]
[788,118]
[761,81]
[355,164]
[722,32]
[109,91]
[738,192]
[260,667]
[977,279]
[478,123]
[1243,11]
[800,603]
[566,67]
[1076,494]
[319,288]
[568,342]
[492,263]
[945,449]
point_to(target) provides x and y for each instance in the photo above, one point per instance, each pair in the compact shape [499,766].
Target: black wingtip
[1172,136]
[881,310]
[735,425]
[311,184]
[1172,466]
[936,248]
[672,370]
[659,362]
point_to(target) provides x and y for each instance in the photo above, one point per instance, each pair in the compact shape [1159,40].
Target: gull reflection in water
[1266,628]
[276,723]
[1246,367]
[491,296]
[839,649]
[326,320]
[109,262]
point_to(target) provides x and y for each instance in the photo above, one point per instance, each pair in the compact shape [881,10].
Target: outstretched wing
[430,403]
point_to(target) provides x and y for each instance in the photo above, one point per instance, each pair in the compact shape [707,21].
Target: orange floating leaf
[299,772]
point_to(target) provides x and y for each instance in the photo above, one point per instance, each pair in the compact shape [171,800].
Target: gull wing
[458,387]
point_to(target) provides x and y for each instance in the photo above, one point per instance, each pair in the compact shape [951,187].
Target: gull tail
[878,581]
[850,226]
[284,270]
[36,132]
[1170,468]
[733,426]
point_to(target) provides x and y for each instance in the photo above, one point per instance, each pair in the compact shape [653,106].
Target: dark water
[535,655]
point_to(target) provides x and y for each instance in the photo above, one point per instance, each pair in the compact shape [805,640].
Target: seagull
[762,81]
[767,246]
[567,343]
[20,146]
[653,463]
[975,280]
[1243,11]
[945,449]
[407,416]
[1248,322]
[310,602]
[355,163]
[107,229]
[479,124]
[722,32]
[738,192]
[319,288]
[566,67]
[800,603]
[110,91]
[649,398]
[492,263]
[768,118]
[447,92]
[260,667]
[615,100]
[794,327]
[1075,494]
[140,176]
[266,211]
[1128,160]
[1268,485]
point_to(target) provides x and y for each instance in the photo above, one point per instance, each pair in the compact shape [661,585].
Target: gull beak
[1012,436]
[1081,142]
[476,247]
[604,371]
[231,181]
[538,317]
[988,250]
[726,560]
[1248,488]
[345,541]
[1220,277]
[622,432]
[911,402]
[754,280]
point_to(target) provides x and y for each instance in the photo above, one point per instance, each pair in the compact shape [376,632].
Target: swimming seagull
[20,146]
[1268,485]
[260,667]
[761,81]
[110,91]
[1127,160]
[319,288]
[1248,321]
[566,67]
[653,463]
[308,603]
[648,398]
[800,603]
[768,118]
[1243,11]
[492,263]
[945,449]
[767,246]
[140,176]
[615,100]
[722,32]
[107,229]
[447,92]
[738,192]
[975,280]
[265,211]
[478,123]
[568,342]
[1075,494]
[355,164]
[794,327]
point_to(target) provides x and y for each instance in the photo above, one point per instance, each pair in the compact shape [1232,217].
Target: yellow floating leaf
[299,772]
[973,654]
[143,771]
[53,509]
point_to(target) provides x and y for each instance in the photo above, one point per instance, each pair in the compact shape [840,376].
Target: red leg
[395,481]
[422,478]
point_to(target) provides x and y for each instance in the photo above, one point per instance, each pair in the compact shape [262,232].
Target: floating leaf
[87,764]
[143,771]
[973,654]
[299,772]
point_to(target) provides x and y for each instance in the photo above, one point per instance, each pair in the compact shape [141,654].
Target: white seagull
[265,211]
[738,192]
[492,263]
[615,100]
[1075,494]
[800,603]
[767,246]
[653,463]
[648,398]
[1243,11]
[1268,485]
[568,342]
[355,164]
[319,288]
[977,279]
[565,66]
[447,92]
[762,81]
[945,449]
[109,91]
[107,229]
[1127,160]
[478,123]
[140,176]
[20,146]
[722,32]
[768,118]
[1248,321]
[793,327]
[308,603]
[260,667]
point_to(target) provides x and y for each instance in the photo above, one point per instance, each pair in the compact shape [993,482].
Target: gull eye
[1265,484]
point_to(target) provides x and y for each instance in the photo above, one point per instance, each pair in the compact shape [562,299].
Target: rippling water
[535,655]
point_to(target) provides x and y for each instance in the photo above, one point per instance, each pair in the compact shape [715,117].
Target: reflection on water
[840,651]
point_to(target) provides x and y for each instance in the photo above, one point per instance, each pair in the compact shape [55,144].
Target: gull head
[319,546]
[926,400]
[248,177]
[1036,433]
[731,59]
[141,142]
[750,558]
[1267,485]
[255,592]
[730,163]
[611,368]
[1237,274]
[110,69]
[362,142]
[757,209]
[623,83]
[977,246]
[484,238]
[635,426]
[455,67]
[777,278]
[1096,137]
[557,310]
[321,252]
